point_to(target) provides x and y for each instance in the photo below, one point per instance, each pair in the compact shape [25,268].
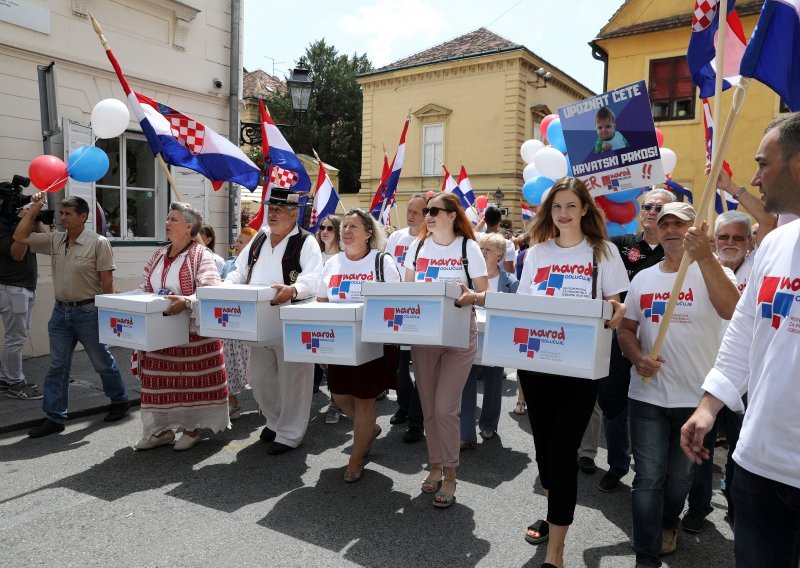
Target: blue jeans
[407,394]
[68,326]
[16,310]
[703,483]
[766,533]
[618,443]
[492,399]
[663,475]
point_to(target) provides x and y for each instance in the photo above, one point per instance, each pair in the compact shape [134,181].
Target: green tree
[332,125]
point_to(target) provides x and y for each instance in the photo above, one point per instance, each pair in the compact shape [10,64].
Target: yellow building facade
[644,36]
[472,100]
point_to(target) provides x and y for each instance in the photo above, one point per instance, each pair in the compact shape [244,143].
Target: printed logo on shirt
[346,286]
[654,305]
[313,340]
[224,314]
[634,255]
[775,298]
[557,277]
[432,269]
[400,254]
[529,341]
[395,317]
[118,324]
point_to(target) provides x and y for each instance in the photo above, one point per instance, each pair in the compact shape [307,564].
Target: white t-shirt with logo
[443,263]
[743,272]
[342,278]
[692,339]
[551,270]
[397,245]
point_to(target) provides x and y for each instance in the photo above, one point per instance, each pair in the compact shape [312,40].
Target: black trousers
[559,409]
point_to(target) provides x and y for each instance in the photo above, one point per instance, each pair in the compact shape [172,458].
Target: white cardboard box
[323,332]
[480,316]
[414,313]
[136,321]
[239,311]
[561,336]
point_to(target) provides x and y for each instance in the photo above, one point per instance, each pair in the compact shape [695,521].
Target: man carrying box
[283,256]
[83,266]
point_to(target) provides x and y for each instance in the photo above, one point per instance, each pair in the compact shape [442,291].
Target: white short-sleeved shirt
[692,340]
[342,278]
[398,244]
[443,263]
[551,270]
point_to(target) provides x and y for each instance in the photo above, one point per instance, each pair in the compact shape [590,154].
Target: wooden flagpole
[719,64]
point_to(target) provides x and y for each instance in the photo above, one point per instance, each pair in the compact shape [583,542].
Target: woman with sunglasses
[329,239]
[568,233]
[441,372]
[356,388]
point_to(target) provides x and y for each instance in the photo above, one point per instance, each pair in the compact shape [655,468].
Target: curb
[84,412]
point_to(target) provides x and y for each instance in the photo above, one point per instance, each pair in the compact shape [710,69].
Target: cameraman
[17,296]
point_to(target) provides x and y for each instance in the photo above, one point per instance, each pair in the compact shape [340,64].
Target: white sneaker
[154,441]
[186,441]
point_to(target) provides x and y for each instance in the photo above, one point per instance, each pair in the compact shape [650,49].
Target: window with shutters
[671,89]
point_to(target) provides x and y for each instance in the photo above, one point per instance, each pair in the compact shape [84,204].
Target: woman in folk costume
[183,388]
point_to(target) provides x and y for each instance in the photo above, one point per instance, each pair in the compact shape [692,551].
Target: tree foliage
[332,125]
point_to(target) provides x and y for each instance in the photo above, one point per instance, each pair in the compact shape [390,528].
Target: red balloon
[659,137]
[48,173]
[430,194]
[545,123]
[481,202]
[617,212]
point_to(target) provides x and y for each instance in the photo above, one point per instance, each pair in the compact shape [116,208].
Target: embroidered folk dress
[184,387]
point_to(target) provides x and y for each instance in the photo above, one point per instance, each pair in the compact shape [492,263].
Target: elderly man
[760,355]
[83,266]
[664,392]
[283,256]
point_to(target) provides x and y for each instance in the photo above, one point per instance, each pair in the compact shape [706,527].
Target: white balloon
[551,163]
[529,172]
[529,149]
[545,193]
[110,118]
[668,160]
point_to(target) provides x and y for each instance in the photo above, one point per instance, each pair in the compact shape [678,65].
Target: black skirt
[368,380]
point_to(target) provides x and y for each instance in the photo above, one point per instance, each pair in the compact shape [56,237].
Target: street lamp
[300,85]
[498,198]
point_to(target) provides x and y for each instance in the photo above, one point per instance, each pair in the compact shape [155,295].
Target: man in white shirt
[766,490]
[282,256]
[493,216]
[663,392]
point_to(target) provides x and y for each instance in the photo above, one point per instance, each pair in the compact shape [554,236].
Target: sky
[388,30]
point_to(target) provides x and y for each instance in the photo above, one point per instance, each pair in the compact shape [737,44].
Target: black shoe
[399,417]
[118,411]
[414,434]
[587,465]
[45,428]
[608,483]
[267,436]
[276,448]
[692,521]
[383,395]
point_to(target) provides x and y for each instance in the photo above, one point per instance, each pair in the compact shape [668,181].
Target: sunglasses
[434,211]
[327,228]
[650,207]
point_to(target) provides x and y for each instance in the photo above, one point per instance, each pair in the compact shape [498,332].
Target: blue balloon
[623,196]
[555,135]
[87,164]
[615,229]
[534,188]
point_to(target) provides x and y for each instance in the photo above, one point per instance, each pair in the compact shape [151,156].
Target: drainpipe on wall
[601,55]
[233,117]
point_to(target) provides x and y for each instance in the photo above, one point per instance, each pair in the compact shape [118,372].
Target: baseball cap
[680,210]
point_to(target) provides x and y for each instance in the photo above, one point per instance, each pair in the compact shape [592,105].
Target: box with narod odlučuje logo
[239,311]
[415,313]
[325,332]
[136,320]
[560,336]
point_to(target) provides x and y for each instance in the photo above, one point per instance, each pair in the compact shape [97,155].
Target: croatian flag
[527,212]
[703,46]
[772,54]
[386,191]
[466,186]
[449,185]
[325,199]
[708,122]
[678,188]
[279,154]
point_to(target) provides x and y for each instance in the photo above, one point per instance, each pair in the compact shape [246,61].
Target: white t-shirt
[743,272]
[760,356]
[493,283]
[551,270]
[342,277]
[398,243]
[692,339]
[443,263]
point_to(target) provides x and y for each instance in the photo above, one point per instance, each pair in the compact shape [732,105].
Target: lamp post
[498,198]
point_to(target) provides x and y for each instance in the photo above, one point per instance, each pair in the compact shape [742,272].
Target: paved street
[85,498]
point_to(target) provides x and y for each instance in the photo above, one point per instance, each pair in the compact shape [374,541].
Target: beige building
[474,99]
[174,51]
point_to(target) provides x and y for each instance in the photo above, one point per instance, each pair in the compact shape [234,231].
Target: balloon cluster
[87,164]
[548,163]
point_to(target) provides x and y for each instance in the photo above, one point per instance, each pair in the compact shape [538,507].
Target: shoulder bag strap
[594,274]
[465,261]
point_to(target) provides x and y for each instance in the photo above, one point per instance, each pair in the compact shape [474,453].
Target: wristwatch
[294,292]
[187,303]
[739,193]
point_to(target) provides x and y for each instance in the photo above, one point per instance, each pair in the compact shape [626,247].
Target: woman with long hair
[569,233]
[209,238]
[441,372]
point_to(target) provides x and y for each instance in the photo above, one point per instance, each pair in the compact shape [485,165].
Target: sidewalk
[85,390]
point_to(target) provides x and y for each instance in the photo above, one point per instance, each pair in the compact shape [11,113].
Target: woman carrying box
[569,257]
[183,388]
[446,242]
[355,388]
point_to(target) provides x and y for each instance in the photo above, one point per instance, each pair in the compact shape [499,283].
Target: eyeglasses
[434,211]
[734,238]
[650,207]
[327,228]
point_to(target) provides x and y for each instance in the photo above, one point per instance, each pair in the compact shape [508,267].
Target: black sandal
[540,527]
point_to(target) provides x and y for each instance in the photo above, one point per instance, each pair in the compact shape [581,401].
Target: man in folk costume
[283,256]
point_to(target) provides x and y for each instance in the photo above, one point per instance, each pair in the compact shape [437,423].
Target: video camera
[12,201]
